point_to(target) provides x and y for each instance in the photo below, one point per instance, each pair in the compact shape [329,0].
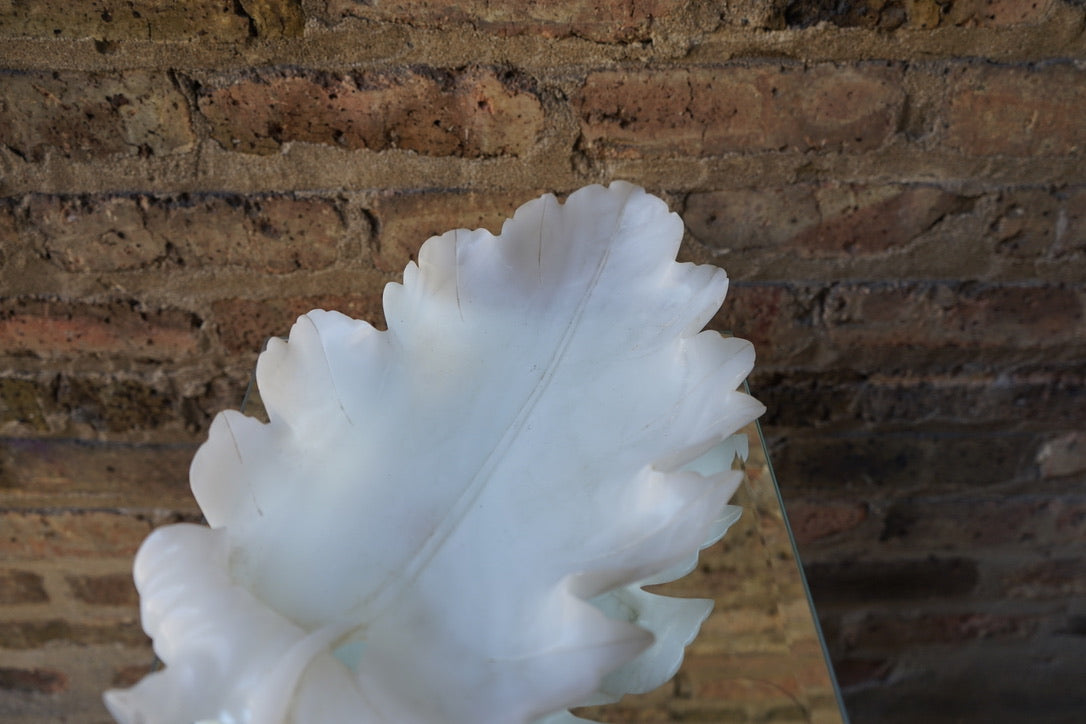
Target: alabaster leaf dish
[451,520]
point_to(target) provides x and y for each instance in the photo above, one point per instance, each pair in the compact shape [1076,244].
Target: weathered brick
[1040,399]
[1026,225]
[273,234]
[881,14]
[117,405]
[34,536]
[9,232]
[1051,579]
[974,524]
[770,316]
[36,680]
[127,676]
[813,520]
[882,632]
[405,221]
[990,13]
[112,589]
[1071,223]
[244,325]
[852,582]
[101,404]
[915,14]
[1017,111]
[855,672]
[917,324]
[21,403]
[48,329]
[904,463]
[35,634]
[743,221]
[873,220]
[752,15]
[275,18]
[56,473]
[131,20]
[474,113]
[981,681]
[827,220]
[92,115]
[1064,455]
[21,587]
[603,21]
[739,109]
[95,234]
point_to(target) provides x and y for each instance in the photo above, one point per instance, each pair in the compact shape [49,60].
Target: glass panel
[760,656]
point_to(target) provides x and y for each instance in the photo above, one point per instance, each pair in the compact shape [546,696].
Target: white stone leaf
[450,521]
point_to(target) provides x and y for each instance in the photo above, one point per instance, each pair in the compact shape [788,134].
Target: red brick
[244,325]
[739,109]
[813,520]
[405,221]
[33,536]
[599,20]
[55,329]
[93,115]
[21,587]
[113,589]
[474,113]
[143,19]
[1017,111]
[37,680]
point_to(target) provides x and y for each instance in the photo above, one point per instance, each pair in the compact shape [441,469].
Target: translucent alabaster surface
[451,520]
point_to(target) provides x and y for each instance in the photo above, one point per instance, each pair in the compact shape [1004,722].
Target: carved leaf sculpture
[451,520]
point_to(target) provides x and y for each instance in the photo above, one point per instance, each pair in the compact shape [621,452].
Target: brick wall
[896,187]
